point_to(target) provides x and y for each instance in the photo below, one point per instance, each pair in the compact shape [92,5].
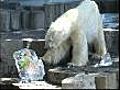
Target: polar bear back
[85,17]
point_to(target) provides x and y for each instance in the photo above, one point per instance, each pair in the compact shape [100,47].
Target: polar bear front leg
[80,49]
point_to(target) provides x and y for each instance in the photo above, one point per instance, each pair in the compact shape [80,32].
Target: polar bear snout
[48,46]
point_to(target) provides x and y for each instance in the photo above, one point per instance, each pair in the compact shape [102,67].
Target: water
[110,20]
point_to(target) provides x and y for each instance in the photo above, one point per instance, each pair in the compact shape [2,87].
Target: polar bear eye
[50,40]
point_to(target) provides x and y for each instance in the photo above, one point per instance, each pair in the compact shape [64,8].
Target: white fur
[83,26]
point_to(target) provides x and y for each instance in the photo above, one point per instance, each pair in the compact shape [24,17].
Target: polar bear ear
[52,23]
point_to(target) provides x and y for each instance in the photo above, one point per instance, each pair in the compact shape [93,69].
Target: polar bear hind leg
[99,44]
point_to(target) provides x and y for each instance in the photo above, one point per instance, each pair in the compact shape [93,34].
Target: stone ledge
[56,75]
[107,81]
[19,35]
[6,83]
[91,81]
[13,83]
[80,81]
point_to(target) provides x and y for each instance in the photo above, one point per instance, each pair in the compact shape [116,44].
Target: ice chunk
[106,61]
[30,68]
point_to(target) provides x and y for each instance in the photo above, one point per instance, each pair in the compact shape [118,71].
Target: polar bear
[79,27]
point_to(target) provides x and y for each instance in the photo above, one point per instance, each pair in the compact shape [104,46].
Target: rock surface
[80,81]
